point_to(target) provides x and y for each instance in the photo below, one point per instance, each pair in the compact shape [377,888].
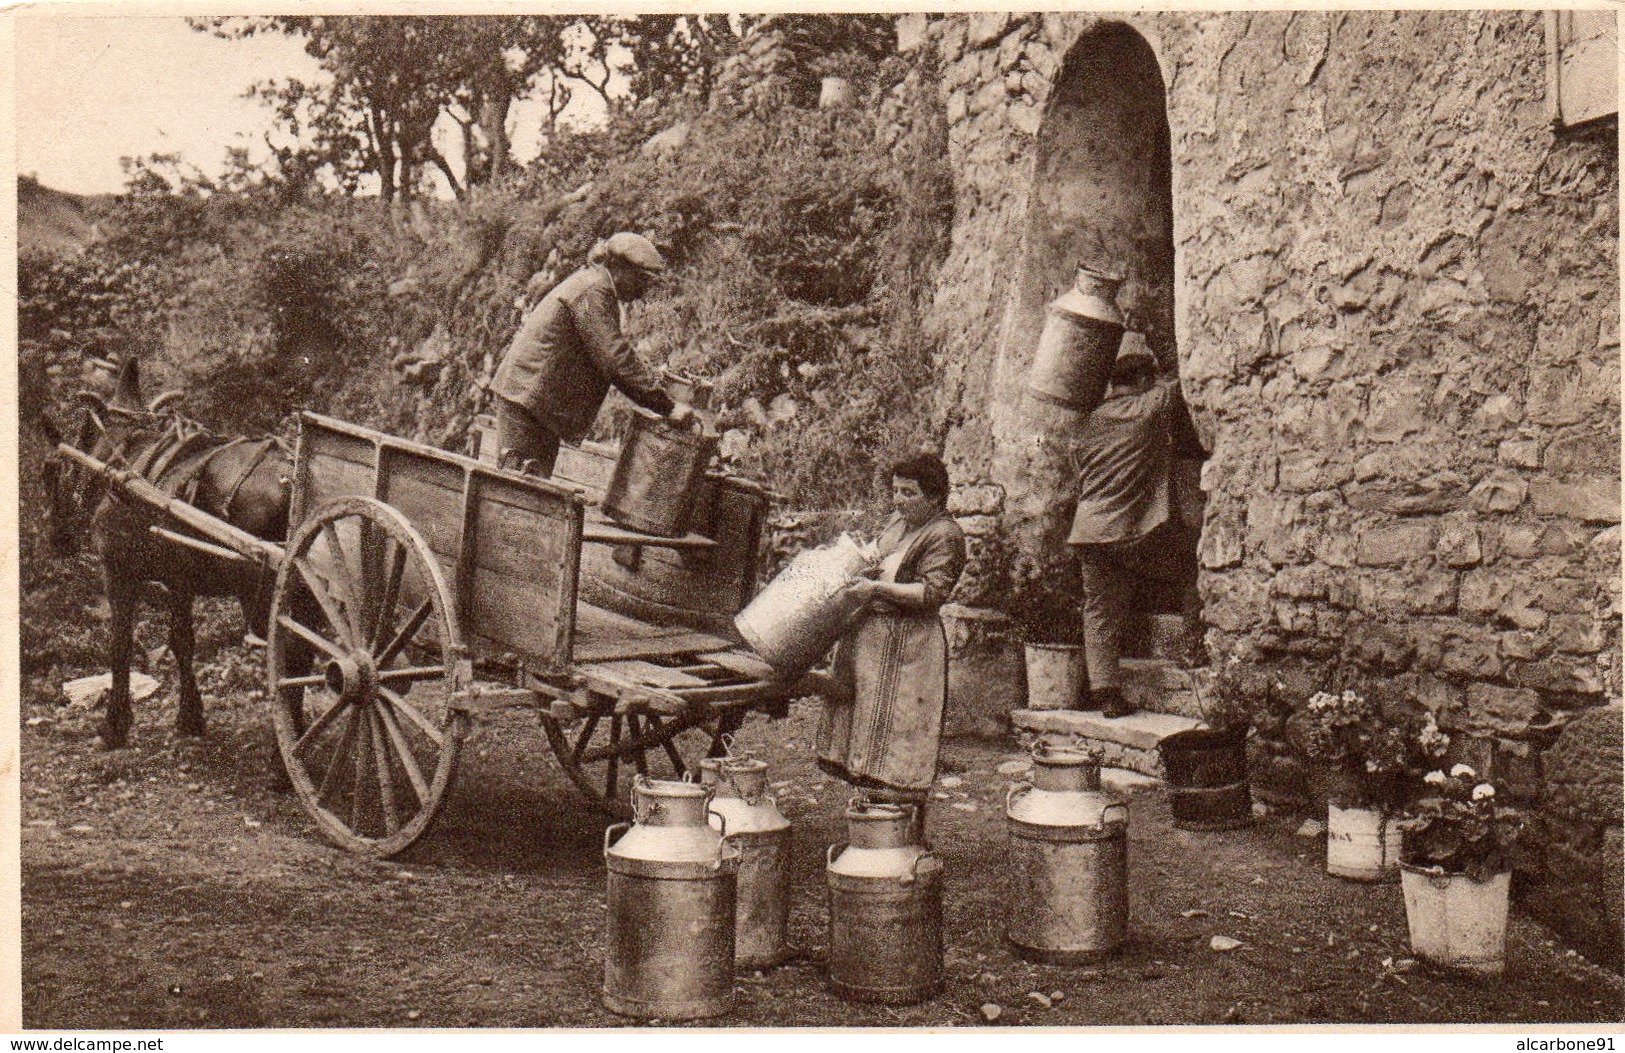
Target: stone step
[1123,742]
[1126,782]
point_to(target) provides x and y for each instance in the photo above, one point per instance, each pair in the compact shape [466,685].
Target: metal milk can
[885,910]
[672,882]
[800,614]
[762,834]
[1069,860]
[1078,344]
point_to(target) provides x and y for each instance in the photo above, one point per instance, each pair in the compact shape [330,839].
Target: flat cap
[637,250]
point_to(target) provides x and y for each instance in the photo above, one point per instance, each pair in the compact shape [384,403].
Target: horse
[244,482]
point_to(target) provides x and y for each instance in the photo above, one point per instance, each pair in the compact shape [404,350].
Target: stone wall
[1394,300]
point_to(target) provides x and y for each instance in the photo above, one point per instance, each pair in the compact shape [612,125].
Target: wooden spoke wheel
[603,752]
[363,656]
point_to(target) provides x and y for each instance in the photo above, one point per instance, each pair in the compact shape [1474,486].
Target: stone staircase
[1162,688]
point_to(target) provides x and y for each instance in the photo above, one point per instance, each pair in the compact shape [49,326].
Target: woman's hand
[862,589]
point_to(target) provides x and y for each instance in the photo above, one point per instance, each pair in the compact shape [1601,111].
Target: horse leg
[122,598]
[182,643]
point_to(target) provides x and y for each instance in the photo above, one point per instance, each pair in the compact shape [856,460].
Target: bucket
[1057,676]
[1207,779]
[1079,344]
[1456,921]
[1362,844]
[798,617]
[652,488]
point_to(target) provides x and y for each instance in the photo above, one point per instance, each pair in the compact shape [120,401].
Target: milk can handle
[829,854]
[1106,813]
[1015,788]
[709,812]
[913,875]
[623,827]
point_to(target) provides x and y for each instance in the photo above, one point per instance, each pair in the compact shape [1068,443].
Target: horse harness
[187,444]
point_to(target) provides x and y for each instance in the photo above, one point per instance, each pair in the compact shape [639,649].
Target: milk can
[1069,860]
[671,907]
[801,613]
[1078,344]
[885,910]
[660,467]
[762,835]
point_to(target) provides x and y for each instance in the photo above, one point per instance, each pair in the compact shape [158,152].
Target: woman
[882,719]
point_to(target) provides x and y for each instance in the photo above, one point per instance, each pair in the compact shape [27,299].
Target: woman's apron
[887,729]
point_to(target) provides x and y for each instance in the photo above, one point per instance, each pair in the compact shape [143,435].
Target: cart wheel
[363,655]
[602,753]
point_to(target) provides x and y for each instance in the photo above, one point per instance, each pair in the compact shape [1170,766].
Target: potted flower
[1375,746]
[1456,870]
[1052,640]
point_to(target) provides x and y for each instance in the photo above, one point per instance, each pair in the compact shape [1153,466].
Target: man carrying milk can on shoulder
[1126,451]
[569,350]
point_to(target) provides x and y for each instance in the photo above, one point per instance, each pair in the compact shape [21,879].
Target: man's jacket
[1125,454]
[568,351]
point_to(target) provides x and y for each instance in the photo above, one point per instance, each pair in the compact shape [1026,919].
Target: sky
[93,89]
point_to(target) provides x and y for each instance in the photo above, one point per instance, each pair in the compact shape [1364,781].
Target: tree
[673,55]
[391,80]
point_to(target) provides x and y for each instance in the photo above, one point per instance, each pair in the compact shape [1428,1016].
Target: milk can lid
[1093,295]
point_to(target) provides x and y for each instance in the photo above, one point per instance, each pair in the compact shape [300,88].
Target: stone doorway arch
[1101,194]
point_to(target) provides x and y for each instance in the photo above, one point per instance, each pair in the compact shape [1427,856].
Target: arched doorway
[1101,195]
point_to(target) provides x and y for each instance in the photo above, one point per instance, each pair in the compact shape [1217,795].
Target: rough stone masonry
[1390,287]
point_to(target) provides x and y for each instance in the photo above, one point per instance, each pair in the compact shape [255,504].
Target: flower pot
[1362,844]
[1057,676]
[1207,779]
[1456,921]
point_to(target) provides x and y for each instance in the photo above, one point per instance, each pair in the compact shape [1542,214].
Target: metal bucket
[661,465]
[1456,921]
[885,910]
[672,882]
[793,622]
[1208,787]
[1362,844]
[754,823]
[1079,344]
[1057,676]
[685,387]
[1069,858]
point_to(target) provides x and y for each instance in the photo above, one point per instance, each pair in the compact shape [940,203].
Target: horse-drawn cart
[419,588]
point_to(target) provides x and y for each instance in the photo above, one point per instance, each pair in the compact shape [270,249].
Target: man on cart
[569,350]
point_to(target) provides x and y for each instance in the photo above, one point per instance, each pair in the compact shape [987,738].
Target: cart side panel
[330,465]
[701,589]
[510,545]
[524,556]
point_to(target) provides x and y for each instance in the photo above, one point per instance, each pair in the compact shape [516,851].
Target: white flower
[1483,791]
[1434,778]
[1462,771]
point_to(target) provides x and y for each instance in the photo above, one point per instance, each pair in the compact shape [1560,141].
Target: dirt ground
[172,885]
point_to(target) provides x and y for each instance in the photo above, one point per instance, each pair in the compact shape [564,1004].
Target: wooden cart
[419,588]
